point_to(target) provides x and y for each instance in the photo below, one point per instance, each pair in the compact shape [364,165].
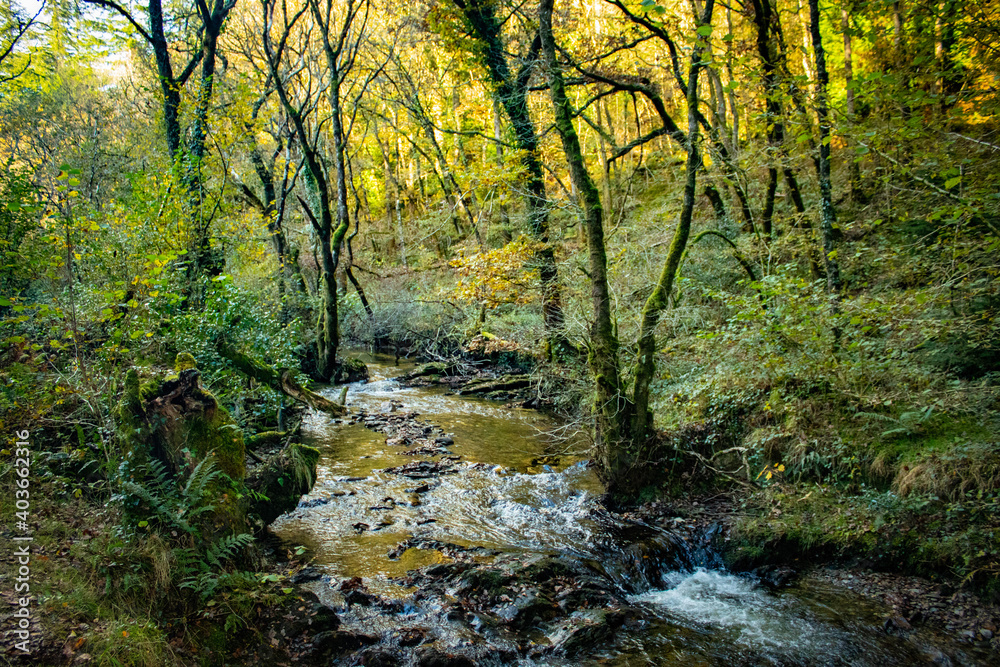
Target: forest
[687,311]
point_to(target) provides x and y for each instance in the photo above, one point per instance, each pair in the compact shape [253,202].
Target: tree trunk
[281,380]
[645,369]
[828,217]
[611,407]
[857,193]
[512,93]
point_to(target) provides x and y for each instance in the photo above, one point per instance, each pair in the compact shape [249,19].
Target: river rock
[314,618]
[897,625]
[584,630]
[429,656]
[412,637]
[338,641]
[305,574]
[529,608]
[775,577]
[379,657]
[422,469]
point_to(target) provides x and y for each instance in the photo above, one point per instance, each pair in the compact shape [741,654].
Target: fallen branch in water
[281,380]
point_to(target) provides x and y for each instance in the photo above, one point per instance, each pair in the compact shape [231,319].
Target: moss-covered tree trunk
[281,380]
[828,216]
[645,369]
[340,56]
[511,92]
[611,406]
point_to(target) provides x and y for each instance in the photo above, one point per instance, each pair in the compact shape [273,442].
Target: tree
[623,423]
[828,216]
[187,157]
[14,25]
[511,90]
[308,90]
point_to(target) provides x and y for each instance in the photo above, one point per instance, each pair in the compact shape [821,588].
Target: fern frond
[204,474]
[877,417]
[227,547]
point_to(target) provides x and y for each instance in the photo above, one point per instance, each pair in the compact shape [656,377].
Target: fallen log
[281,380]
[504,383]
[428,369]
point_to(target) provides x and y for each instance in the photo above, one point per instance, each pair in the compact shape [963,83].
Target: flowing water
[522,486]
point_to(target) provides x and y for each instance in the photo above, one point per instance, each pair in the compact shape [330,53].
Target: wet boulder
[429,656]
[528,609]
[314,618]
[350,370]
[377,656]
[586,630]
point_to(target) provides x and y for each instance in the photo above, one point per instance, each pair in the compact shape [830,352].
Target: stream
[503,555]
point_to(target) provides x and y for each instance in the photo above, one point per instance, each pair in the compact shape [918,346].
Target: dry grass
[970,468]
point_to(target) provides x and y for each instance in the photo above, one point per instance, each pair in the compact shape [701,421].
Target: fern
[227,547]
[877,417]
[201,571]
[199,563]
[908,423]
[204,474]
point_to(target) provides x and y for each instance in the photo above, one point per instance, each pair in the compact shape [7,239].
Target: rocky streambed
[447,530]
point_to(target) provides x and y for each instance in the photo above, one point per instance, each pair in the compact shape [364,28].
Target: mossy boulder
[282,480]
[351,370]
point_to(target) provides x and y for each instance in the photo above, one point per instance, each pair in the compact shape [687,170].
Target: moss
[128,414]
[130,643]
[184,361]
[266,439]
[215,432]
[916,535]
[189,425]
[282,480]
[351,370]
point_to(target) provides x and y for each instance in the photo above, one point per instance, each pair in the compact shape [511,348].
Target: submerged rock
[430,656]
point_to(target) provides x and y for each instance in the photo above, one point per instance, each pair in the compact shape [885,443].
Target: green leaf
[4,302]
[705,30]
[952,182]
